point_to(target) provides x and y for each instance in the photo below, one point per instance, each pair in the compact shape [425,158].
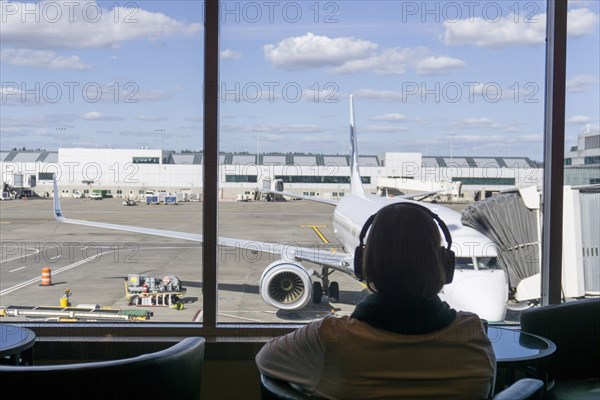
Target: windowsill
[155,332]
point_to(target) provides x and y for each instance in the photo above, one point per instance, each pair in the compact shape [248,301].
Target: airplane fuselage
[479,284]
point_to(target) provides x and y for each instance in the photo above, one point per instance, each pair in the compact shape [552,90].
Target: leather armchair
[275,389]
[172,373]
[574,327]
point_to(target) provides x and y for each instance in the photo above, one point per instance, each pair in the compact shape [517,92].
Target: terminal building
[131,173]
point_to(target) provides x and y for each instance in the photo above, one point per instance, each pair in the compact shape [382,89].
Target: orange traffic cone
[46,276]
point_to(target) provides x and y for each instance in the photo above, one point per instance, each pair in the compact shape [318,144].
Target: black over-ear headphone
[448,257]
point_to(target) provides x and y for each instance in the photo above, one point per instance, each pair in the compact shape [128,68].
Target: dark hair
[402,254]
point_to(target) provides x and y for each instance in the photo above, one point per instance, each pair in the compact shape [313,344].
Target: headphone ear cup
[358,267]
[449,260]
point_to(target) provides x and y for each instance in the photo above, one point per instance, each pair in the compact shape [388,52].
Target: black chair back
[574,327]
[276,389]
[172,373]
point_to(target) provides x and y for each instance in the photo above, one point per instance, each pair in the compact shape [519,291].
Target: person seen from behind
[402,340]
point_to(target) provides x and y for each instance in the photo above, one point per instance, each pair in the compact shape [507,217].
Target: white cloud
[346,55]
[439,65]
[229,54]
[507,32]
[96,116]
[318,139]
[473,123]
[581,83]
[579,119]
[313,51]
[231,128]
[290,128]
[480,123]
[149,118]
[200,119]
[486,144]
[394,117]
[384,129]
[581,3]
[329,94]
[393,61]
[131,95]
[581,21]
[489,92]
[504,32]
[378,94]
[11,131]
[271,130]
[57,24]
[10,95]
[34,120]
[41,59]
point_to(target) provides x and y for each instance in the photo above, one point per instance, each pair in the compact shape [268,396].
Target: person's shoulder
[467,316]
[332,327]
[467,320]
[334,322]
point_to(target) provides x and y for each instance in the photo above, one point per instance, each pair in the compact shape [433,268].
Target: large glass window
[581,202]
[442,102]
[95,94]
[440,96]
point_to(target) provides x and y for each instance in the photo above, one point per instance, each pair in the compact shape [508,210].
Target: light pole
[451,146]
[160,132]
[257,145]
[60,131]
[451,154]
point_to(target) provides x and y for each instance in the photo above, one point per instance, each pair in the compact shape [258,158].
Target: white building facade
[133,172]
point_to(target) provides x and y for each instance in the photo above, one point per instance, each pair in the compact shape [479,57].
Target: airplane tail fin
[355,180]
[57,210]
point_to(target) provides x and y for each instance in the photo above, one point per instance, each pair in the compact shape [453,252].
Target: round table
[16,345]
[515,348]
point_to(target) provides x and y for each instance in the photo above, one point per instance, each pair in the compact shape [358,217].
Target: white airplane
[479,285]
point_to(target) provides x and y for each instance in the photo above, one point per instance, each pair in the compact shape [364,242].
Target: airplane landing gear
[334,292]
[317,293]
[331,290]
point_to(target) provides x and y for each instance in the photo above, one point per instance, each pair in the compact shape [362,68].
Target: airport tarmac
[94,263]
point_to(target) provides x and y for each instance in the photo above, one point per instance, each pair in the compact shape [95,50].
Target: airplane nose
[487,295]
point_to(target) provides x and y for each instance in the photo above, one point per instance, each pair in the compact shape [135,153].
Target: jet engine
[286,285]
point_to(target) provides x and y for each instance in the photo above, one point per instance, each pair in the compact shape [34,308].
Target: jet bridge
[513,221]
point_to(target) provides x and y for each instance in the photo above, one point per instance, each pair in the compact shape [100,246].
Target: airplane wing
[423,195]
[335,202]
[301,196]
[288,251]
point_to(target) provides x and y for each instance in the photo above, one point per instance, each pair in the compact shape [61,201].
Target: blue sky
[431,77]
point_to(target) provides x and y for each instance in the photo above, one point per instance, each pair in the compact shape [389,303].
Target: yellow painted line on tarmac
[4,222]
[315,229]
[310,226]
[319,234]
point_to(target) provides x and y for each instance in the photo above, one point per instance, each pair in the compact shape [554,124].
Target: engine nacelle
[286,285]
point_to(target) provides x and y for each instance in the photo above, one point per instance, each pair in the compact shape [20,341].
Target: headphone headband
[448,257]
[441,224]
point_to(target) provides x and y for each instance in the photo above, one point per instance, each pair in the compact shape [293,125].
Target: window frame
[229,332]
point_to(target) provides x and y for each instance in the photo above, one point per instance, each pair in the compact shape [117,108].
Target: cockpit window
[487,263]
[464,263]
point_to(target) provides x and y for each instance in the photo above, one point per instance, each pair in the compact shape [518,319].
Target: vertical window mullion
[554,144]
[211,159]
